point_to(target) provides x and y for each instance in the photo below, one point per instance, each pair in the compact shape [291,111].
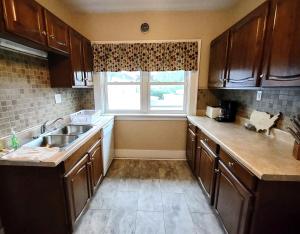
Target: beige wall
[204,25]
[150,135]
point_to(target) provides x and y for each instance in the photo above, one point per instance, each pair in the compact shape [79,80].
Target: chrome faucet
[44,127]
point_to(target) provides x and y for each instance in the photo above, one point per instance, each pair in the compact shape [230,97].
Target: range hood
[18,48]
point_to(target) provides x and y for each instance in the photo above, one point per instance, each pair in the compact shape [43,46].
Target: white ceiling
[88,6]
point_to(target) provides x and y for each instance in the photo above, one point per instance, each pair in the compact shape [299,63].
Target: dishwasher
[108,145]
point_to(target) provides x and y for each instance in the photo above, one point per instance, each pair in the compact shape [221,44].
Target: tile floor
[149,197]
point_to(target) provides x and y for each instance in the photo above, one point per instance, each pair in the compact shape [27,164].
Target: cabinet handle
[44,33]
[52,36]
[230,164]
[262,76]
[217,171]
[198,147]
[206,140]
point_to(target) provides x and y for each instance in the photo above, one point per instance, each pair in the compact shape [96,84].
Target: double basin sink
[61,138]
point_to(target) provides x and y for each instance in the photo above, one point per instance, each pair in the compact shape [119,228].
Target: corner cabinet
[246,49]
[25,19]
[282,57]
[75,70]
[218,61]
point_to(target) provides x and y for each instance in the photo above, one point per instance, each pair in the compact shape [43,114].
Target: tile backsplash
[26,98]
[285,100]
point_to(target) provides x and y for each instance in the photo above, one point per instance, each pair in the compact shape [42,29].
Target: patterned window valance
[166,56]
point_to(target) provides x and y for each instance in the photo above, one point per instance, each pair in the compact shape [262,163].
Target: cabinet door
[57,33]
[207,172]
[25,18]
[218,61]
[96,165]
[78,188]
[282,59]
[77,58]
[246,49]
[88,62]
[233,202]
[191,149]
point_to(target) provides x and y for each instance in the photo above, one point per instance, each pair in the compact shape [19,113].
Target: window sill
[150,117]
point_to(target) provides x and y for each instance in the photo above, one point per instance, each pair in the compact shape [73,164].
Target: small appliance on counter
[228,111]
[213,112]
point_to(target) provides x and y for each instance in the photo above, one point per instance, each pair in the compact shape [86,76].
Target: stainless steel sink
[51,141]
[74,129]
[58,140]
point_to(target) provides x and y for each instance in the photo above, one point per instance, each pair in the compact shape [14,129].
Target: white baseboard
[150,154]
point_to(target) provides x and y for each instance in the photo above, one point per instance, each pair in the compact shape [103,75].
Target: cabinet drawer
[209,143]
[241,172]
[75,157]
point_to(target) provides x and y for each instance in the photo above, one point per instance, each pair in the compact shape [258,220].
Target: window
[146,92]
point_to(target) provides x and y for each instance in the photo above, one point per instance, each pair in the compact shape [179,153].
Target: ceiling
[98,6]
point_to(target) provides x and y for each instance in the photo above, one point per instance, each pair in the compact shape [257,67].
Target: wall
[26,98]
[285,101]
[204,25]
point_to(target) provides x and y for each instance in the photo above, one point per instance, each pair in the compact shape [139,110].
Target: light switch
[57,98]
[258,95]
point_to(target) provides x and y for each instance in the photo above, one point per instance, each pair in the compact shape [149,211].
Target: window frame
[145,102]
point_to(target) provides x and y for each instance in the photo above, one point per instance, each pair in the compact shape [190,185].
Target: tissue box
[213,112]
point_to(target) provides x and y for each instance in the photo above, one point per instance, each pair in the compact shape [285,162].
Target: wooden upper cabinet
[282,57]
[57,33]
[246,49]
[218,61]
[88,60]
[77,57]
[25,18]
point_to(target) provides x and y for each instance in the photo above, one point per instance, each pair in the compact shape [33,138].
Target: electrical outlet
[258,95]
[57,97]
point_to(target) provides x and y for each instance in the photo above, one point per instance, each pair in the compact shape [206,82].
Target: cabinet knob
[44,33]
[52,36]
[206,140]
[230,164]
[262,76]
[217,171]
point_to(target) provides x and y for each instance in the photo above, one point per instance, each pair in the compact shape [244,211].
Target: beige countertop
[266,157]
[65,153]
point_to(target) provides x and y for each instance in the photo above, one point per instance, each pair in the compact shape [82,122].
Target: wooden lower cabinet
[50,200]
[233,202]
[77,184]
[206,171]
[191,146]
[96,163]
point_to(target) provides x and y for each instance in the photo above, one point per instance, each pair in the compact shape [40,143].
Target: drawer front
[241,172]
[209,143]
[75,157]
[192,127]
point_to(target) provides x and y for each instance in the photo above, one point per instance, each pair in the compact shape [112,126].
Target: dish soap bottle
[14,141]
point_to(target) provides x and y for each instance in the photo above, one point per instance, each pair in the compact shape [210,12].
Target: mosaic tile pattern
[286,101]
[26,98]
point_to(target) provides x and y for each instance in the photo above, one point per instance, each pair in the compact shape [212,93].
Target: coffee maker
[228,111]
